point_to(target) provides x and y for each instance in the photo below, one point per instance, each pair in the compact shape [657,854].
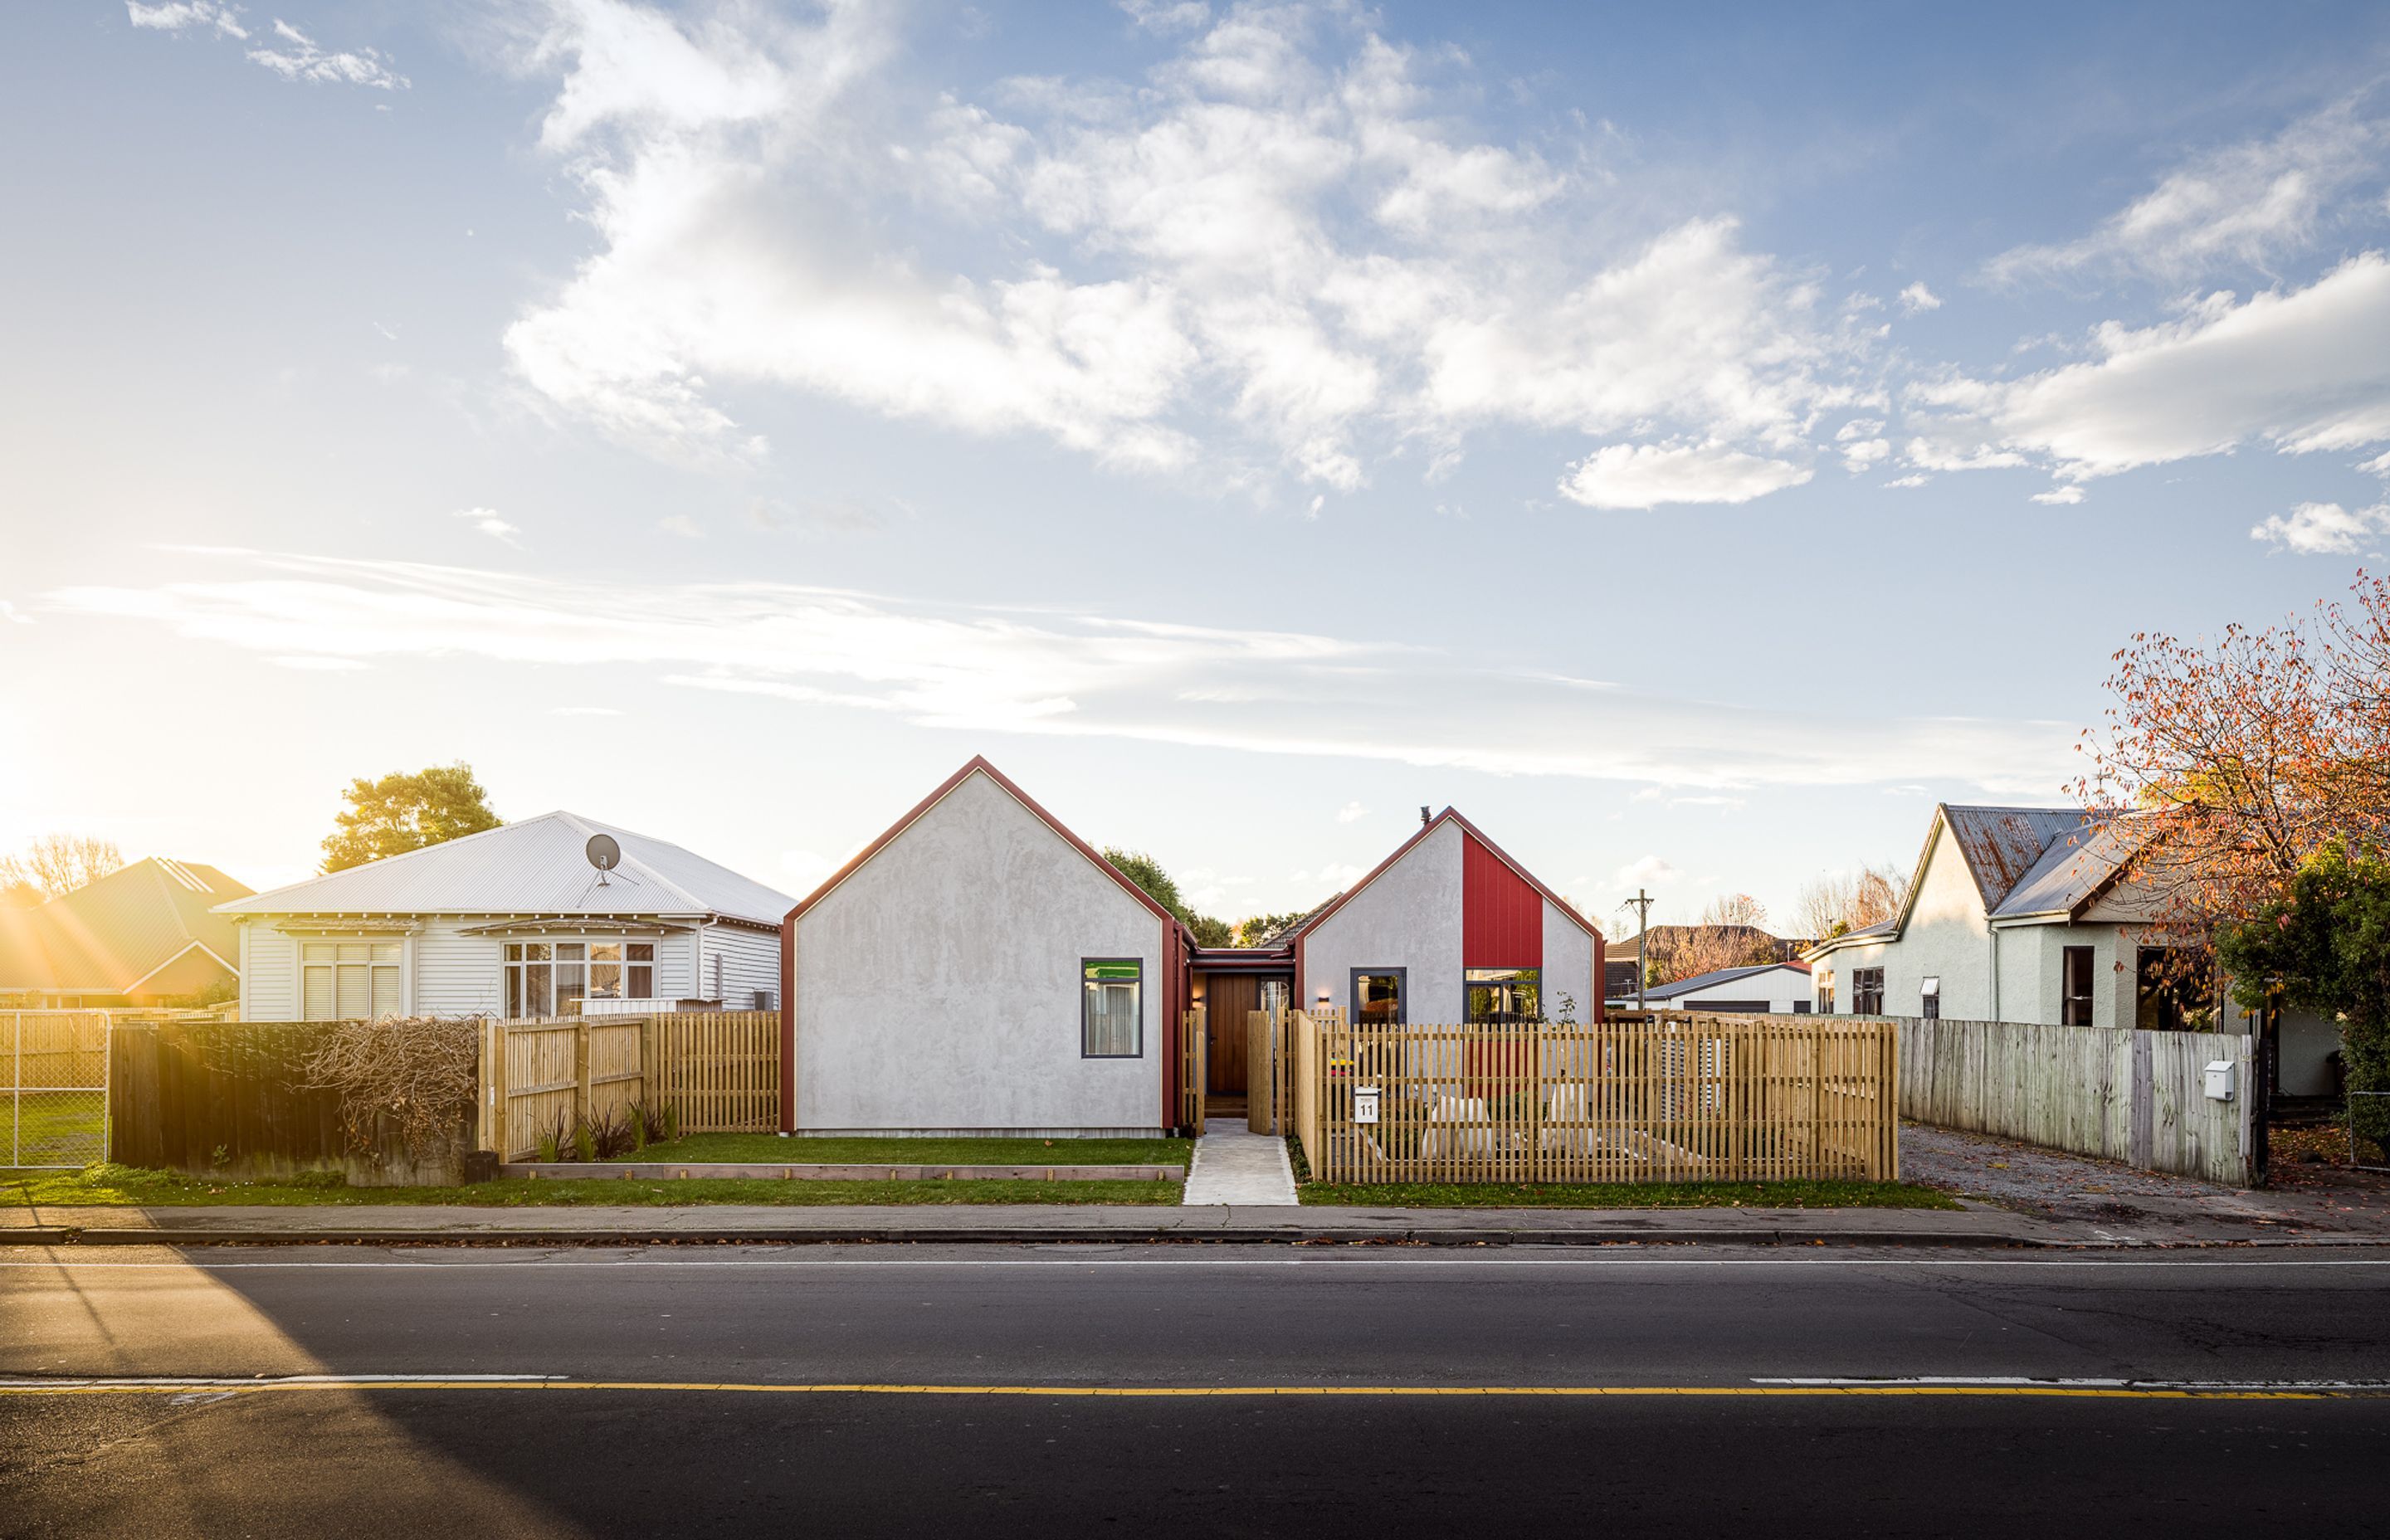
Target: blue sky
[1690,441]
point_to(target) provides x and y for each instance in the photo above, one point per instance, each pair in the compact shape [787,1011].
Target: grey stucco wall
[938,987]
[1568,964]
[1409,918]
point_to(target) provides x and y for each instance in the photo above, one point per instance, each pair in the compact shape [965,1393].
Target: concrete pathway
[1235,1165]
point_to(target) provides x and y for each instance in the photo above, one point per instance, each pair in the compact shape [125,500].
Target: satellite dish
[604,854]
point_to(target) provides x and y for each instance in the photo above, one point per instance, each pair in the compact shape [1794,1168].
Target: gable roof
[978,765]
[2075,868]
[1308,922]
[531,867]
[1719,976]
[2002,844]
[2025,862]
[116,930]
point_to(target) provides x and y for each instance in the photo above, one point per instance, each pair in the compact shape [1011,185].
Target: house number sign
[1364,1104]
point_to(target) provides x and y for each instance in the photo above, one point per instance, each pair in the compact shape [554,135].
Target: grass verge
[127,1186]
[1629,1194]
[805,1150]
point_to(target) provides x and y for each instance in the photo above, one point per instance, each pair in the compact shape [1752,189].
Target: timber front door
[1228,999]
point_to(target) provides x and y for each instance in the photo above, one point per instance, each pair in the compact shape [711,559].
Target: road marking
[2058,1389]
[1144,1260]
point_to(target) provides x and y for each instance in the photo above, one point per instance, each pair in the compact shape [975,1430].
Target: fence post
[580,1070]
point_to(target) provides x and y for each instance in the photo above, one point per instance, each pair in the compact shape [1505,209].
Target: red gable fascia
[979,766]
[1475,833]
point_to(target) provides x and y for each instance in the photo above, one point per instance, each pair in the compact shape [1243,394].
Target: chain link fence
[54,1087]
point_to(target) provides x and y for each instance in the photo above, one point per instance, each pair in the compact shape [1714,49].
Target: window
[1929,998]
[1866,990]
[1490,995]
[1377,995]
[1111,1024]
[341,981]
[1826,993]
[1801,1007]
[2171,992]
[2074,986]
[540,976]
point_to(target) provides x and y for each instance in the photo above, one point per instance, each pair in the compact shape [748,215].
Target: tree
[1262,930]
[2244,758]
[53,864]
[1841,901]
[2324,946]
[401,812]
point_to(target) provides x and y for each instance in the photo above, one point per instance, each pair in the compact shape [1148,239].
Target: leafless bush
[422,1071]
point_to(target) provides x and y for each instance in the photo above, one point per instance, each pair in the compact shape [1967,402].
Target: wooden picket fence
[719,1070]
[1194,1069]
[1668,1097]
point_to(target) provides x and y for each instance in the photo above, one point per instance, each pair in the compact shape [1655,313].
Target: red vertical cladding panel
[1501,913]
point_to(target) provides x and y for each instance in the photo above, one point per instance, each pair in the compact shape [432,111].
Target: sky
[1691,440]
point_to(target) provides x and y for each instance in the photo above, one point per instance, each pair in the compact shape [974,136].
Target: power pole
[1641,905]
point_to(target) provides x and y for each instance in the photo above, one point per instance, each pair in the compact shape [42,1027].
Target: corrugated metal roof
[1705,980]
[533,866]
[2074,866]
[2002,844]
[118,930]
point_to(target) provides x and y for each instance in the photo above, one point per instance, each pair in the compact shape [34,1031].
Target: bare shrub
[420,1071]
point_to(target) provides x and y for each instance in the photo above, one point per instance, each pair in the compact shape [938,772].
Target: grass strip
[1626,1194]
[126,1186]
[815,1150]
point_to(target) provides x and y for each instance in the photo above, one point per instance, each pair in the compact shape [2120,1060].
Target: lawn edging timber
[1627,1195]
[634,1169]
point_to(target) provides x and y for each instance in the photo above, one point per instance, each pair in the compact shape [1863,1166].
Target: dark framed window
[1800,1007]
[1866,990]
[1378,995]
[1929,997]
[1826,993]
[1492,995]
[2074,986]
[1112,1018]
[2171,992]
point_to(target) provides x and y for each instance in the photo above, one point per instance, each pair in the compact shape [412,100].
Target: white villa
[514,921]
[2017,913]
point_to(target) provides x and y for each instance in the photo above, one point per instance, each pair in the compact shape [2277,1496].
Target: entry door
[1226,998]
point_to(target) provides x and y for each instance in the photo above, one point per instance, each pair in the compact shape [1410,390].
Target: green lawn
[60,1127]
[115,1187]
[802,1149]
[1628,1195]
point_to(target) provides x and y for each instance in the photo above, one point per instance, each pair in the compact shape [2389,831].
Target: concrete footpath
[1977,1226]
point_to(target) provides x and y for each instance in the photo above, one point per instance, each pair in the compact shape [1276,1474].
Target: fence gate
[54,1086]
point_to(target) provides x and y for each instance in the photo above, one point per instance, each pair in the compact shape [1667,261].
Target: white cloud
[1285,246]
[178,14]
[1162,16]
[1351,813]
[2325,528]
[1643,476]
[317,664]
[1908,481]
[682,525]
[2062,497]
[1858,428]
[489,523]
[1867,452]
[978,671]
[1916,298]
[297,58]
[2246,204]
[13,615]
[1649,872]
[2300,370]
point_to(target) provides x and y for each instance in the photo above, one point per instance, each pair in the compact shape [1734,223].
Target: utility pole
[1641,905]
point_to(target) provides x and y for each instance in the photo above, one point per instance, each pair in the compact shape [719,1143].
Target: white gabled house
[2025,914]
[514,921]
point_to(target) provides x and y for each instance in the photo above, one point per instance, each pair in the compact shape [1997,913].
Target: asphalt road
[704,1434]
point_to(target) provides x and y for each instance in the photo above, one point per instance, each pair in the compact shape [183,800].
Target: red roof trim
[979,766]
[1404,849]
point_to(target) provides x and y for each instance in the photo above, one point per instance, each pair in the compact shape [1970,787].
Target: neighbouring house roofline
[1716,976]
[1311,921]
[195,947]
[978,765]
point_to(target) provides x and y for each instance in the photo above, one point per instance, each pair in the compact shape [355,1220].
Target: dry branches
[420,1071]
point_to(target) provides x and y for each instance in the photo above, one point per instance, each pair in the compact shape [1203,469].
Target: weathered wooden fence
[1673,1097]
[53,1087]
[719,1070]
[228,1097]
[2118,1093]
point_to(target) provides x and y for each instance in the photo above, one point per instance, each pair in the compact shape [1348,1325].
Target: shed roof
[531,867]
[115,931]
[1700,981]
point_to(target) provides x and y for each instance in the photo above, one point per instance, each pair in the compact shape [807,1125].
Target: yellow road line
[216,1387]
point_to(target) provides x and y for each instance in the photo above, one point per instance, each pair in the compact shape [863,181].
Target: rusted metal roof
[2003,844]
[2074,867]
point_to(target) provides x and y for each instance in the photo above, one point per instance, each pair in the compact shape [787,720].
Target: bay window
[543,975]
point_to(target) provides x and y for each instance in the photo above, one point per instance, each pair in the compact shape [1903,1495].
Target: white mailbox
[1364,1104]
[2219,1079]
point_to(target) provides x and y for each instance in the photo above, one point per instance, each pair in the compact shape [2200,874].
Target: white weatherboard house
[514,922]
[980,969]
[1779,988]
[2024,914]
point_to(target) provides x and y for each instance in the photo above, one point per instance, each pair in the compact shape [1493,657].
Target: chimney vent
[1424,819]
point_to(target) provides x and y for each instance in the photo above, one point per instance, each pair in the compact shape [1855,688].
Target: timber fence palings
[229,1098]
[2118,1093]
[719,1070]
[1194,1069]
[1671,1097]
